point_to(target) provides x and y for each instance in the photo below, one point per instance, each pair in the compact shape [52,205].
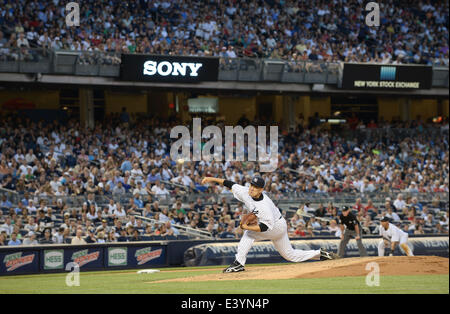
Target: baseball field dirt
[348,267]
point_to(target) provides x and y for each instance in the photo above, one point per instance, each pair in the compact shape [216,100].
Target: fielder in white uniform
[393,235]
[272,225]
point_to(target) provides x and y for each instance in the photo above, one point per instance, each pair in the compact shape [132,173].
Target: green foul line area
[131,282]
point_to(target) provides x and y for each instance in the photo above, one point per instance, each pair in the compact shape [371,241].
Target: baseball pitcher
[268,224]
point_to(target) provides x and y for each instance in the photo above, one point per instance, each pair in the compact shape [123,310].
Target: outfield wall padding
[55,258]
[18,260]
[264,252]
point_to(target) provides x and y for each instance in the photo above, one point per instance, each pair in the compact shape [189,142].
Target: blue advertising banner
[264,252]
[54,258]
[148,255]
[19,262]
[86,258]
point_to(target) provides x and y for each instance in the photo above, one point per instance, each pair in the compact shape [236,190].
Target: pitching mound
[398,265]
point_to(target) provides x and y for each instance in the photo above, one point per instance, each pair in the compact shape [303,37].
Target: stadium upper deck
[410,31]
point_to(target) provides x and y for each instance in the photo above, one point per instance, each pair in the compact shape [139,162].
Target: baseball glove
[249,219]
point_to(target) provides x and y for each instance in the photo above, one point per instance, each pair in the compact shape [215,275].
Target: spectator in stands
[441,229]
[43,221]
[7,226]
[430,221]
[419,230]
[180,219]
[358,206]
[314,223]
[370,207]
[90,237]
[119,212]
[416,204]
[136,236]
[330,208]
[123,236]
[228,233]
[307,209]
[101,237]
[58,237]
[320,212]
[310,231]
[111,237]
[30,239]
[14,241]
[299,231]
[47,238]
[5,203]
[78,239]
[296,220]
[3,238]
[119,189]
[393,215]
[399,203]
[334,228]
[171,230]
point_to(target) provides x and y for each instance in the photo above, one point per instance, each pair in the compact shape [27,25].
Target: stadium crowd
[123,168]
[296,31]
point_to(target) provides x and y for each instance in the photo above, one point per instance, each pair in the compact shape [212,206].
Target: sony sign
[166,68]
[158,68]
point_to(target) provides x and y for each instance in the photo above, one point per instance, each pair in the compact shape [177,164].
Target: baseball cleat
[235,267]
[325,255]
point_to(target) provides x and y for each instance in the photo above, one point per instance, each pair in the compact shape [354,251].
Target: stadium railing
[369,135]
[377,197]
[107,64]
[184,230]
[11,195]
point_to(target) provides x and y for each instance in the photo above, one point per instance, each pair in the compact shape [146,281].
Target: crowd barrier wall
[20,260]
[265,252]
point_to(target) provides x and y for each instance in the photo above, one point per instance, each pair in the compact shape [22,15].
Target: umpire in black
[352,229]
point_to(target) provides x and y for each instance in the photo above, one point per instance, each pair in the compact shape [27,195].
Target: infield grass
[129,281]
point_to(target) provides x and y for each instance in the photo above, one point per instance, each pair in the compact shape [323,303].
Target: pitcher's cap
[258,182]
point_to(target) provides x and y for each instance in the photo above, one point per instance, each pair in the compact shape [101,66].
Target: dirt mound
[398,265]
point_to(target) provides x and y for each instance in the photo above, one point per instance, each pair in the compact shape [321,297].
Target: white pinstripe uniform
[393,234]
[270,215]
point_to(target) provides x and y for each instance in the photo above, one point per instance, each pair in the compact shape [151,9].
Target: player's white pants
[280,240]
[403,244]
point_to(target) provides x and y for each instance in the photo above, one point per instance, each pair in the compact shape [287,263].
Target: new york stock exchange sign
[367,76]
[156,68]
